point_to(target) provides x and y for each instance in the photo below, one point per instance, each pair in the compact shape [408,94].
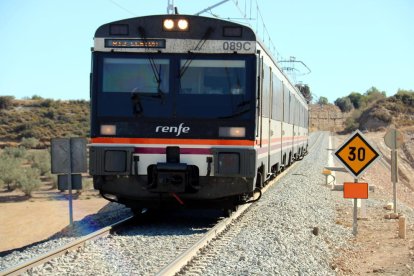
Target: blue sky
[348,45]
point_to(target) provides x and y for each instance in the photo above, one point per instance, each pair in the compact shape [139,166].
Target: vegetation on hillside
[22,169]
[373,110]
[42,119]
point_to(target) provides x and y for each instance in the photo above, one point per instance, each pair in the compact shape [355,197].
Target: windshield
[174,86]
[135,75]
[219,77]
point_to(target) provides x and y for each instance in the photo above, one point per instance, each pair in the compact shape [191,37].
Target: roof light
[183,24]
[168,24]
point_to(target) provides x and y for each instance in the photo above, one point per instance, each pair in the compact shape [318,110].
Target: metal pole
[355,223]
[70,188]
[394,176]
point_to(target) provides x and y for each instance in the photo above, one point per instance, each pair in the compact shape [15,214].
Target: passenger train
[189,110]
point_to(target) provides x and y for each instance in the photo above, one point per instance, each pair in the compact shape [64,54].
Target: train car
[189,110]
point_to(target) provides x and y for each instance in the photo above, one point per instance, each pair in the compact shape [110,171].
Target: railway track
[24,267]
[183,259]
[184,263]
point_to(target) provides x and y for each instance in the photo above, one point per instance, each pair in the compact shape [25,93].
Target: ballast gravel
[290,231]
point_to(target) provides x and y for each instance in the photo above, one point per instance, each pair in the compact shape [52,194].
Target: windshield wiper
[199,45]
[155,71]
[136,104]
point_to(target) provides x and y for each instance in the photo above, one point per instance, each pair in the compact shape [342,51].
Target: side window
[277,103]
[292,108]
[266,90]
[286,104]
[297,110]
[302,117]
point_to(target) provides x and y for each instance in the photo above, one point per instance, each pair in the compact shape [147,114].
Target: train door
[291,126]
[294,124]
[265,124]
[259,102]
[276,124]
[287,126]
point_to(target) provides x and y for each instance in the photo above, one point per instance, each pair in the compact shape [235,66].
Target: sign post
[356,154]
[394,139]
[69,157]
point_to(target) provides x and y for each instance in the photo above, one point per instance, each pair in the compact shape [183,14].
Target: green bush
[6,102]
[19,152]
[46,103]
[406,96]
[36,97]
[40,160]
[323,101]
[9,171]
[344,104]
[29,181]
[87,183]
[29,143]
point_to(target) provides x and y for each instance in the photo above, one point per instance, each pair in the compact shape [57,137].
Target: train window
[286,103]
[266,90]
[292,108]
[135,75]
[277,109]
[221,77]
[232,31]
[119,29]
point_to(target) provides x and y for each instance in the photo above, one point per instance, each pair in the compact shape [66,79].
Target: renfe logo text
[173,129]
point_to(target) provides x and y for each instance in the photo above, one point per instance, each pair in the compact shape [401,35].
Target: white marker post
[394,139]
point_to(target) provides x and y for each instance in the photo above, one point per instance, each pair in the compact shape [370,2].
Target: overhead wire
[122,8]
[271,44]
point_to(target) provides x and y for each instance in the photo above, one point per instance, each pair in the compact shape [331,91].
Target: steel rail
[21,268]
[184,258]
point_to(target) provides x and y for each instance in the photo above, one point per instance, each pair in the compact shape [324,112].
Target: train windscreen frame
[161,94]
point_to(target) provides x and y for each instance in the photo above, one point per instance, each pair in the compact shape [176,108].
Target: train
[189,111]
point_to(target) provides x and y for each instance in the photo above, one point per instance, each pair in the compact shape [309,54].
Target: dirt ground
[25,221]
[377,248]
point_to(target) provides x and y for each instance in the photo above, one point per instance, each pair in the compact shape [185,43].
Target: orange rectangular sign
[355,190]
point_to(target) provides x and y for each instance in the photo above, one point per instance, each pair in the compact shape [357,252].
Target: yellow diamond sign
[356,154]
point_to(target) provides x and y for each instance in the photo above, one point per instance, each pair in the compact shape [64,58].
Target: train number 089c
[236,46]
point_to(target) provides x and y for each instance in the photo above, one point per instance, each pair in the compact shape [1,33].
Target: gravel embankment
[274,237]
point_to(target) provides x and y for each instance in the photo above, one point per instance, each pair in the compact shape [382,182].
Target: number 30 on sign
[356,154]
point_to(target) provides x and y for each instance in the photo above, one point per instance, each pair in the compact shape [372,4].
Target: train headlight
[175,25]
[236,132]
[108,129]
[168,24]
[183,24]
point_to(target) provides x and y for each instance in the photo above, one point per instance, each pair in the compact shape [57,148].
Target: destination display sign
[173,45]
[134,43]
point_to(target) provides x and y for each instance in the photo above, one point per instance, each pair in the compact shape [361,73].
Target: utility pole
[170,7]
[290,67]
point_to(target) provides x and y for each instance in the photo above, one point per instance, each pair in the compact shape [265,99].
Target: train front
[173,111]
